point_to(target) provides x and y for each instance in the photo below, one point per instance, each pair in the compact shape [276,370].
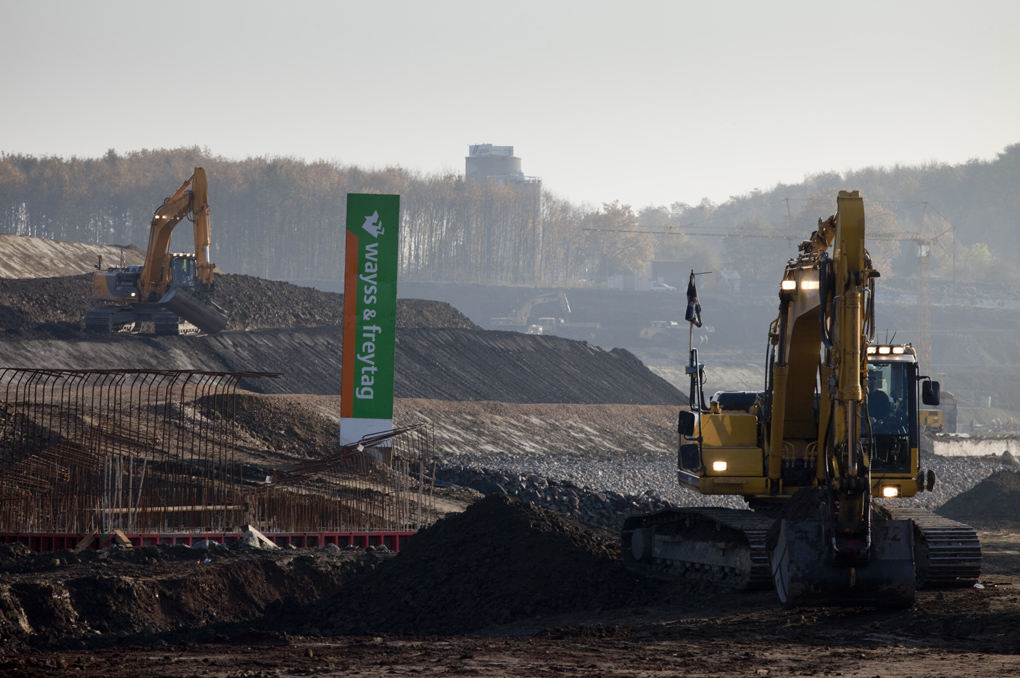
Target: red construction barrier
[45,542]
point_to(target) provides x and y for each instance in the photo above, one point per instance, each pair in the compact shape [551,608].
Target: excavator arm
[524,312]
[844,551]
[190,200]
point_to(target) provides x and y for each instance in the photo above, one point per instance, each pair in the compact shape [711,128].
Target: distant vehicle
[519,320]
[545,326]
[659,331]
[661,287]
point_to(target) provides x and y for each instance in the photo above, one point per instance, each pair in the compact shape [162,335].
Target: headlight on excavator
[789,285]
[890,491]
[718,465]
[809,285]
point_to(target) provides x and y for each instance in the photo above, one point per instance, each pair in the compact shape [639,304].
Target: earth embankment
[432,363]
[294,331]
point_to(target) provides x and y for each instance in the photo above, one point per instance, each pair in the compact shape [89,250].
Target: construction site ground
[498,587]
[503,590]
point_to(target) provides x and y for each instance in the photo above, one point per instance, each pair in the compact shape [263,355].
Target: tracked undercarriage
[728,547]
[718,545]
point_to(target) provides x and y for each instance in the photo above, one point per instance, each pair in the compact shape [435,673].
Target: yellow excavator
[518,321]
[822,455]
[170,290]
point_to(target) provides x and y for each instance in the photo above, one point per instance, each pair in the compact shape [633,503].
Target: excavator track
[946,553]
[722,546]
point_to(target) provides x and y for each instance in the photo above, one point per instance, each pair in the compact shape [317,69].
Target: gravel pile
[993,504]
[603,493]
[42,308]
[594,507]
[956,475]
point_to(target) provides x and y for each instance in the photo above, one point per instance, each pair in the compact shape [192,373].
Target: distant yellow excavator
[519,320]
[821,455]
[170,290]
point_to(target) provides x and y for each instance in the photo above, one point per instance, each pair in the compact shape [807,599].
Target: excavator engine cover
[805,574]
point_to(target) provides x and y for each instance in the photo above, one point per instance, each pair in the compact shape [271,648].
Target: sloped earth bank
[436,363]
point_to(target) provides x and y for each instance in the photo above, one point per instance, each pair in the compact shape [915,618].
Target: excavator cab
[891,424]
[184,272]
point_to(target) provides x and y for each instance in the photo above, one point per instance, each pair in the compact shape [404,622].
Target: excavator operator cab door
[892,411]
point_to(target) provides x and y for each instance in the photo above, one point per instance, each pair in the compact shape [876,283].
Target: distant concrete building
[495,163]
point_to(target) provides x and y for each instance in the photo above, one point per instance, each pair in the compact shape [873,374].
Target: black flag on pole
[693,314]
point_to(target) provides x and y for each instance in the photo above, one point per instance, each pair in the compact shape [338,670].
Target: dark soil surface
[55,307]
[502,589]
[148,594]
[500,562]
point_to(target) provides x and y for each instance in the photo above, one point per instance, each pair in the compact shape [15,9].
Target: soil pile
[156,593]
[431,363]
[278,424]
[254,303]
[994,503]
[295,331]
[56,307]
[44,306]
[499,562]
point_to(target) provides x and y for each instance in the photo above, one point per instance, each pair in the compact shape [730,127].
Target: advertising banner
[370,315]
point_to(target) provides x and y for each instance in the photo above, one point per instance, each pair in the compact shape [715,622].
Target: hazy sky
[642,102]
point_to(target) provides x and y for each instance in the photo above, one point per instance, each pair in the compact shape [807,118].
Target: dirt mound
[156,594]
[56,307]
[46,306]
[499,562]
[509,367]
[254,303]
[295,331]
[994,503]
[279,424]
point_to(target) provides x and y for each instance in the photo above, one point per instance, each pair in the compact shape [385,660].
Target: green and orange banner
[370,315]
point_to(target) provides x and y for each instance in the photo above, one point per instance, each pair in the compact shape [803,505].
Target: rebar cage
[151,451]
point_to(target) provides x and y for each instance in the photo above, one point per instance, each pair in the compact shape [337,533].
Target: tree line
[283,218]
